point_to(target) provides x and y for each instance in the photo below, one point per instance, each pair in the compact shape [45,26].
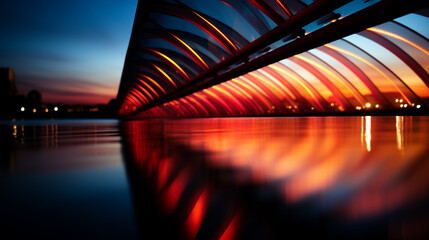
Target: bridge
[275,57]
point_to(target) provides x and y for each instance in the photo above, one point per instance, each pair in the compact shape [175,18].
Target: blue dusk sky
[72,51]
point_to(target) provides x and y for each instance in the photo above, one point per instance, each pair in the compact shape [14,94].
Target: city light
[46,110]
[377,105]
[56,109]
[368,105]
[418,106]
[34,110]
[22,109]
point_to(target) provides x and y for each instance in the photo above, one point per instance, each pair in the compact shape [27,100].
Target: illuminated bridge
[276,57]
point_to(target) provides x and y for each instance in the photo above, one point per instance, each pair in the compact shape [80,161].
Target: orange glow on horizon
[273,66]
[371,65]
[330,73]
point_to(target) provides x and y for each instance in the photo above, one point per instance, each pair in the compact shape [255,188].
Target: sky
[71,51]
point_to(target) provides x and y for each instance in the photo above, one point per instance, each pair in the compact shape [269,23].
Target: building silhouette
[7,83]
[34,98]
[9,99]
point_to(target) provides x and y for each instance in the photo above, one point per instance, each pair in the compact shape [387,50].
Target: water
[230,178]
[64,179]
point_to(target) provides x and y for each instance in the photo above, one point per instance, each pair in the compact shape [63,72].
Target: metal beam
[295,23]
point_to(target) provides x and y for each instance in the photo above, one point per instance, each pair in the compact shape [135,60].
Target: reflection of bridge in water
[299,178]
[340,178]
[266,57]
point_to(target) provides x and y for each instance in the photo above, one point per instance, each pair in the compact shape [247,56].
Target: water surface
[278,178]
[230,178]
[64,179]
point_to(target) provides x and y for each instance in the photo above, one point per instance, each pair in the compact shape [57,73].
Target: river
[231,178]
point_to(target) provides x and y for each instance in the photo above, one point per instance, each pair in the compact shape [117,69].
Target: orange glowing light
[217,30]
[165,74]
[368,133]
[192,99]
[284,7]
[330,74]
[189,104]
[237,89]
[145,91]
[192,50]
[135,91]
[277,68]
[240,89]
[232,89]
[390,34]
[134,101]
[209,92]
[229,95]
[164,170]
[173,192]
[369,64]
[252,90]
[149,87]
[254,86]
[273,87]
[232,229]
[204,99]
[278,83]
[139,95]
[171,61]
[196,217]
[154,82]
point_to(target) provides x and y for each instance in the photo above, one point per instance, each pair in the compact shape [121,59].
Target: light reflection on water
[64,179]
[247,178]
[336,177]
